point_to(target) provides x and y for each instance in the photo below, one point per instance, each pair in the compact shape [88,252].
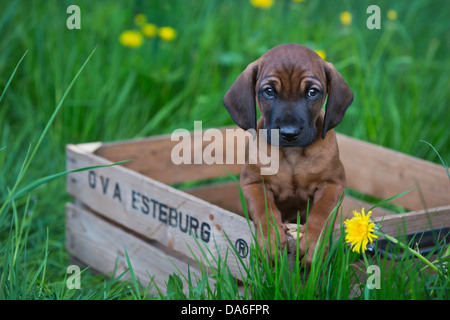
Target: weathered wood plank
[224,195]
[157,211]
[411,222]
[416,221]
[383,173]
[152,158]
[99,244]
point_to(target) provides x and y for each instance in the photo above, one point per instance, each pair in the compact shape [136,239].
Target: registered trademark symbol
[241,247]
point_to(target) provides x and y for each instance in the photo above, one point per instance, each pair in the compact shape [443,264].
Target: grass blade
[440,158]
[132,275]
[390,199]
[12,76]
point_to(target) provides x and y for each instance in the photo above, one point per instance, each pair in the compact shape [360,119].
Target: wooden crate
[134,206]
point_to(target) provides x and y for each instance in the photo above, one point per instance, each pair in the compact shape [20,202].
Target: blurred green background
[399,76]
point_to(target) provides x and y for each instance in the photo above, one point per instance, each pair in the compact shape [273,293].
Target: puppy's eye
[269,92]
[313,92]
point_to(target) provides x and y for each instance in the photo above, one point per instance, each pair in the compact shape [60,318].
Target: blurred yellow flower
[149,30]
[346,18]
[131,38]
[140,19]
[297,0]
[359,231]
[392,15]
[263,4]
[167,33]
[321,53]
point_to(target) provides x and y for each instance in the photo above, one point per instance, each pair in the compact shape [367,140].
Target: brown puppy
[290,83]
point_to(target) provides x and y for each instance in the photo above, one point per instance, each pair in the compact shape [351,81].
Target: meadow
[399,76]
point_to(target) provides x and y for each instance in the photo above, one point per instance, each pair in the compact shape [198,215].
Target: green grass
[338,275]
[398,75]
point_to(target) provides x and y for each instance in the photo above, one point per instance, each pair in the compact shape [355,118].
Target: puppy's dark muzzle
[292,136]
[289,133]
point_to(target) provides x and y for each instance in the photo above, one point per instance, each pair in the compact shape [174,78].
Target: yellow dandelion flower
[140,19]
[359,231]
[167,33]
[322,54]
[392,15]
[263,4]
[131,38]
[149,30]
[346,18]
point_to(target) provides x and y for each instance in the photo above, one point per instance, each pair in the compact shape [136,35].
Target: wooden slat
[154,210]
[224,195]
[416,221]
[100,244]
[383,173]
[412,222]
[152,158]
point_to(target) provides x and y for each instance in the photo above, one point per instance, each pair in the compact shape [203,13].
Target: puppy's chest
[296,181]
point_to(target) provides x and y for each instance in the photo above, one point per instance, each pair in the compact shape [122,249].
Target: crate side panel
[156,211]
[383,173]
[102,245]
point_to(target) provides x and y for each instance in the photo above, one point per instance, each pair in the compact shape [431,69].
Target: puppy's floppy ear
[240,98]
[340,96]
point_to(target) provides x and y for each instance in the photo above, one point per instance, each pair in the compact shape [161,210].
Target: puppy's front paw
[272,240]
[308,244]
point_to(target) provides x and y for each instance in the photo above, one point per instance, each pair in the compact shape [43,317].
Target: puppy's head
[289,83]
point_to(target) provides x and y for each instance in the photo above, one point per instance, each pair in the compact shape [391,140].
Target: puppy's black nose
[289,133]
